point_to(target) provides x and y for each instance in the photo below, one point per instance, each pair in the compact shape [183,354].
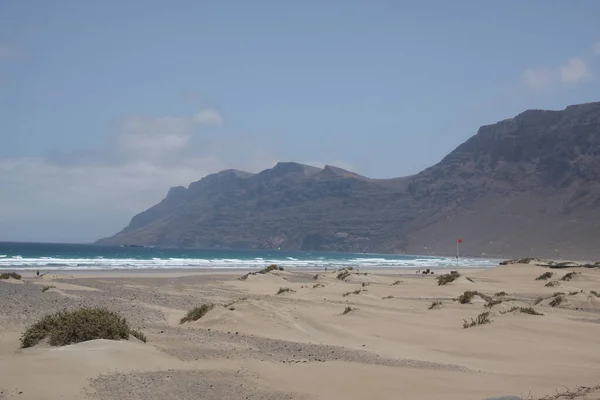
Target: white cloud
[597,48]
[85,195]
[209,116]
[575,71]
[538,79]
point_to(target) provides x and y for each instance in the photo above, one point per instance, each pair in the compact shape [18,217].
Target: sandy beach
[301,344]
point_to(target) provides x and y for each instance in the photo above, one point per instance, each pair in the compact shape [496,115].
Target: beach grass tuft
[196,313]
[568,276]
[284,290]
[8,275]
[447,278]
[75,326]
[545,276]
[270,268]
[482,319]
[552,284]
[556,301]
[529,310]
[499,294]
[46,288]
[343,274]
[347,310]
[466,297]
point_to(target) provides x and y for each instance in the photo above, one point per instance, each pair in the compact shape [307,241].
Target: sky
[106,105]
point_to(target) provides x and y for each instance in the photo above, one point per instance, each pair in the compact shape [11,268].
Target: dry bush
[545,276]
[481,319]
[196,313]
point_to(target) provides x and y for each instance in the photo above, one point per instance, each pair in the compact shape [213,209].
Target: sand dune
[300,344]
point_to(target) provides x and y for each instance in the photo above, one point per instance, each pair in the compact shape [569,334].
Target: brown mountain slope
[529,185]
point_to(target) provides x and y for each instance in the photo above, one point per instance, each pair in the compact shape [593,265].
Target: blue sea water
[48,256]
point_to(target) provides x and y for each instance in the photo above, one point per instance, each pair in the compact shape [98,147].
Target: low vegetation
[545,276]
[568,276]
[447,278]
[349,293]
[556,301]
[8,275]
[270,268]
[196,313]
[492,303]
[595,293]
[466,297]
[396,283]
[538,301]
[343,274]
[552,284]
[227,305]
[435,304]
[46,288]
[573,293]
[470,280]
[318,285]
[138,335]
[499,294]
[482,319]
[347,310]
[388,297]
[529,310]
[284,290]
[83,324]
[316,277]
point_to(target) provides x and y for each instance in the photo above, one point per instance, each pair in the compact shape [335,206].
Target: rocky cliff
[529,185]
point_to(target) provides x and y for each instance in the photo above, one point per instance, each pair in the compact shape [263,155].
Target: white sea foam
[50,263]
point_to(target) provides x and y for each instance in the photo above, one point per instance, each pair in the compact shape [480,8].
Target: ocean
[49,256]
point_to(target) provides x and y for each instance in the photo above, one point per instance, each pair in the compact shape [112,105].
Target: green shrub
[67,327]
[529,310]
[270,268]
[481,319]
[556,301]
[447,278]
[501,294]
[46,288]
[435,304]
[7,275]
[196,313]
[138,335]
[544,276]
[466,297]
[568,276]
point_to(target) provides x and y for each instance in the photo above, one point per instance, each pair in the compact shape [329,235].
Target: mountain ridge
[506,191]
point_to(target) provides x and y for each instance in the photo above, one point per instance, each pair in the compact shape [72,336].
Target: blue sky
[105,105]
